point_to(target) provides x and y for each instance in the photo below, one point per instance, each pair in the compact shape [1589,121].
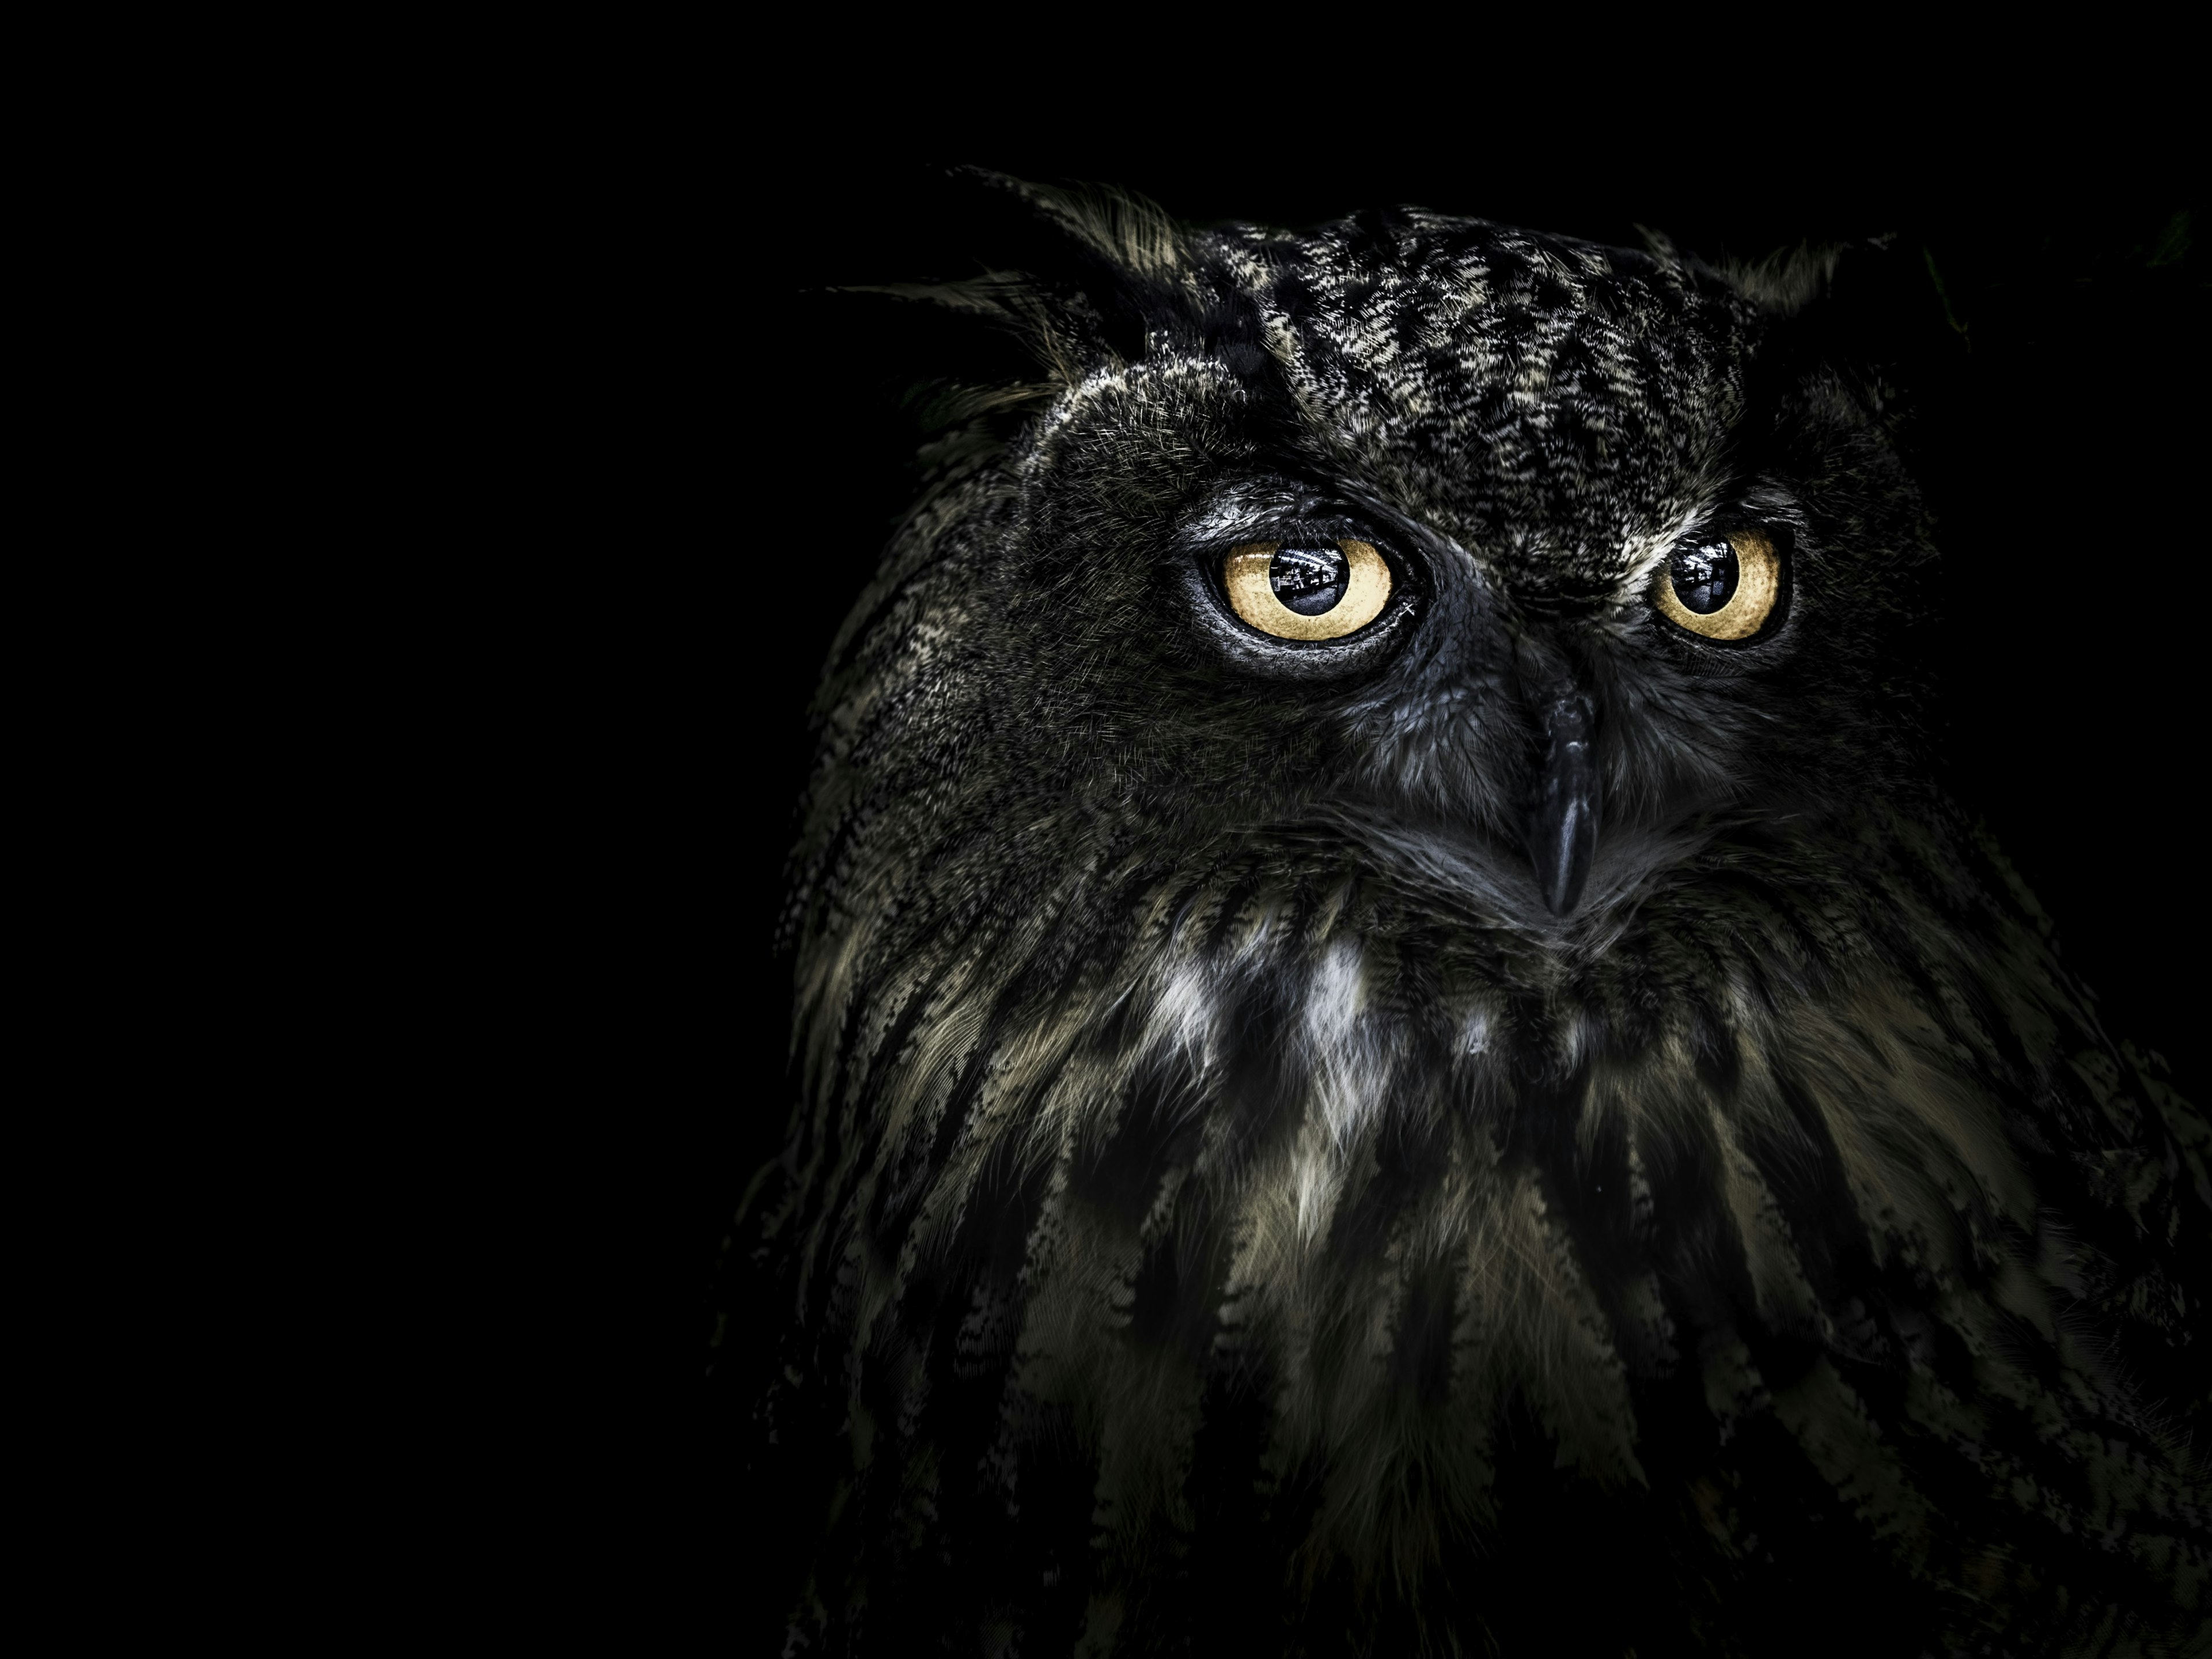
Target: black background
[748,454]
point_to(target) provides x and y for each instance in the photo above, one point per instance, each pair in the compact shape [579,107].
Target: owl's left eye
[1721,589]
[1315,590]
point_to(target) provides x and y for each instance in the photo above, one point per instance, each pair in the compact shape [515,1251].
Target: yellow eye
[1725,588]
[1307,590]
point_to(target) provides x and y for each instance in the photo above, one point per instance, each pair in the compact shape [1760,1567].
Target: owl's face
[1502,553]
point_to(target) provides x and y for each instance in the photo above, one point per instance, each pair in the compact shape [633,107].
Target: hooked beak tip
[1563,831]
[1563,864]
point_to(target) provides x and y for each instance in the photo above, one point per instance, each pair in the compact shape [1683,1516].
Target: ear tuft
[1077,275]
[1121,227]
[1843,321]
[1787,280]
[1049,332]
[1661,247]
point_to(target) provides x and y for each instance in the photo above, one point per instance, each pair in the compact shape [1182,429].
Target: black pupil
[1308,580]
[1704,577]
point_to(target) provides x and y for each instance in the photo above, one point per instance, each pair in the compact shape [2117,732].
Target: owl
[1399,1049]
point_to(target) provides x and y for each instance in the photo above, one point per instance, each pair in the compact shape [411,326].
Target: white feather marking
[1185,1015]
[1348,1074]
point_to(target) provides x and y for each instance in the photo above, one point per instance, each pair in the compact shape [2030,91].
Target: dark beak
[1564,826]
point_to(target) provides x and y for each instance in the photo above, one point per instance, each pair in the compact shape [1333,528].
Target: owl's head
[1535,564]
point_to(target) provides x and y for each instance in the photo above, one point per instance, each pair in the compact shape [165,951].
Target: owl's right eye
[1316,590]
